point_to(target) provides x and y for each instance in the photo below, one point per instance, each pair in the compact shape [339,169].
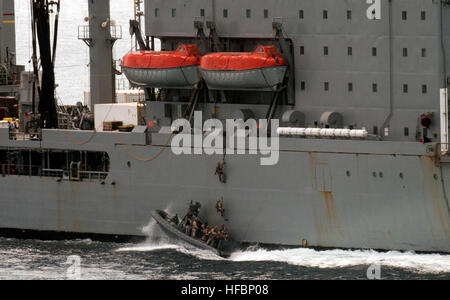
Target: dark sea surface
[163,259]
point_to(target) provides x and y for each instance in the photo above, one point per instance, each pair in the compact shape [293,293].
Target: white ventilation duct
[325,132]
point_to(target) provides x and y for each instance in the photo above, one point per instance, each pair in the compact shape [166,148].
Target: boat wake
[302,257]
[157,241]
[309,258]
[419,263]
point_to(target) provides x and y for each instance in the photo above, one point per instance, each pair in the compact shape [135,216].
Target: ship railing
[57,173]
[38,171]
[20,170]
[4,75]
[92,175]
[84,33]
[122,84]
[16,135]
[116,32]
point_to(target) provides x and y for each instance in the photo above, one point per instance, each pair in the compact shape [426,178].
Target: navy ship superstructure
[363,111]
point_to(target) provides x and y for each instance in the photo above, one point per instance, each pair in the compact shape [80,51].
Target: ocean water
[158,258]
[165,259]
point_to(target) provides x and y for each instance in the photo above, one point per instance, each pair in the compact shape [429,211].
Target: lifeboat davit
[261,70]
[163,69]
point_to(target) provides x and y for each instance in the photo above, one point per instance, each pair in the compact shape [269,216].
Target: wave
[420,263]
[303,257]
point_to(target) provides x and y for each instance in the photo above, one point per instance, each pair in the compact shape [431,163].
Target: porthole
[424,52]
[374,87]
[405,52]
[404,15]
[423,15]
[424,89]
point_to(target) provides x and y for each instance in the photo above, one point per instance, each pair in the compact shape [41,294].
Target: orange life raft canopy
[185,55]
[163,69]
[261,70]
[262,57]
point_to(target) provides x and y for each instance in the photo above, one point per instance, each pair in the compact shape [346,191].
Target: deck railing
[38,171]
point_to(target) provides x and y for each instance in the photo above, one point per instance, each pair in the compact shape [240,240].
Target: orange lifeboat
[163,69]
[261,70]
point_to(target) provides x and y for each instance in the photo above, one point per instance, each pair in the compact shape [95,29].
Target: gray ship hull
[387,196]
[348,70]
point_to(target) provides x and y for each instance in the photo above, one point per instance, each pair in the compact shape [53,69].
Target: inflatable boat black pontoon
[224,249]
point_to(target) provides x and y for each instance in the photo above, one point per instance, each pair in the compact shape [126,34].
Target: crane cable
[71,139]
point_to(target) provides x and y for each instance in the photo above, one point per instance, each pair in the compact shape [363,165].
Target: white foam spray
[420,263]
[156,240]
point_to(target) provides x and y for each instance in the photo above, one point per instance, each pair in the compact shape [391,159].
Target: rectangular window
[156,12]
[375,130]
[406,131]
[350,87]
[301,14]
[374,51]
[374,87]
[423,15]
[349,51]
[424,89]
[325,14]
[266,14]
[349,14]
[424,52]
[248,13]
[303,85]
[225,13]
[302,50]
[405,88]
[404,15]
[405,52]
[326,86]
[325,50]
[202,12]
[174,12]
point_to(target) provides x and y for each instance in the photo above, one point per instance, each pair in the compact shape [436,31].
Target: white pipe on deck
[325,132]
